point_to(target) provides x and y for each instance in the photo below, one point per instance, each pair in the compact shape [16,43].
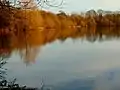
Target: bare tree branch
[38,3]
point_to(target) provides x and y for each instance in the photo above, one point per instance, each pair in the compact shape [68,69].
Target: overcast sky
[83,5]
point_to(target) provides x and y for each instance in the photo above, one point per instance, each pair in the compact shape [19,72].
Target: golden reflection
[28,43]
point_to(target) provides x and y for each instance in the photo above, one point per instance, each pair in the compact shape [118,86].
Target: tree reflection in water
[27,43]
[5,51]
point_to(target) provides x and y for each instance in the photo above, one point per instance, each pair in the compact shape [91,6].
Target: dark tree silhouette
[30,4]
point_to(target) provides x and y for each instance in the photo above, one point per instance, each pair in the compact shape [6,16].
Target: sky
[84,5]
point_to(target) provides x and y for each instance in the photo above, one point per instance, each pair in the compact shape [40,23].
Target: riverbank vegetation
[15,20]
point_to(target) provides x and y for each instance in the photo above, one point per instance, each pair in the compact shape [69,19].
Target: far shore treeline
[16,19]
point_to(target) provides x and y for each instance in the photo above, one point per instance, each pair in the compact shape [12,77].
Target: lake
[74,59]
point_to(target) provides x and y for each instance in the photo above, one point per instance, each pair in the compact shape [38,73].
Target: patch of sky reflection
[64,61]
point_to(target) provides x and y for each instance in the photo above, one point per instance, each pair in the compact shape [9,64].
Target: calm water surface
[70,64]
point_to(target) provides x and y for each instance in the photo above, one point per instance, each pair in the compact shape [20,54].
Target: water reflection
[64,67]
[106,81]
[28,43]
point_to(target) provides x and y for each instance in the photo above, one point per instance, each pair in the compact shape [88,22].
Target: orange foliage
[29,29]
